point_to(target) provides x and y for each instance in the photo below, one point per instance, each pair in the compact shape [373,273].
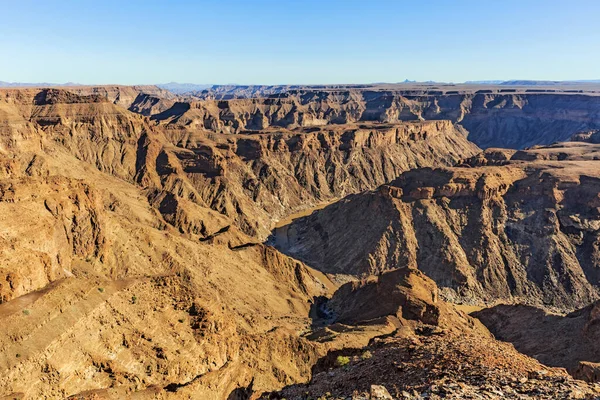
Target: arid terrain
[298,242]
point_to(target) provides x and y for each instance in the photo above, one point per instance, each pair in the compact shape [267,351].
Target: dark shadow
[320,313]
[241,393]
[177,110]
[554,340]
[242,246]
[217,233]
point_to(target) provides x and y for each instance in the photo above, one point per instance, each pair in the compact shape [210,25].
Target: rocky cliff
[493,118]
[572,344]
[259,179]
[504,226]
[254,179]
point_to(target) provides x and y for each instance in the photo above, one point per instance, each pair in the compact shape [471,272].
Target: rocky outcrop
[131,256]
[435,351]
[587,371]
[259,179]
[439,366]
[405,294]
[519,229]
[123,242]
[591,136]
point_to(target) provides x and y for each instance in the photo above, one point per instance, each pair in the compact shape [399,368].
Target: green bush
[26,312]
[342,361]
[366,355]
[101,289]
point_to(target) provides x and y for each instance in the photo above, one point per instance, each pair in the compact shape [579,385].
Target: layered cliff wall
[505,226]
[510,120]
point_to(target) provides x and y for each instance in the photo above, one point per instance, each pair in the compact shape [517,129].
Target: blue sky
[297,41]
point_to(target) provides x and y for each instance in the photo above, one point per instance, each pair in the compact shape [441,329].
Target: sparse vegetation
[342,361]
[133,299]
[101,290]
[26,312]
[366,355]
[181,320]
[18,355]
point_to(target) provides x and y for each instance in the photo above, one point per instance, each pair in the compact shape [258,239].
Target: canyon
[238,242]
[508,117]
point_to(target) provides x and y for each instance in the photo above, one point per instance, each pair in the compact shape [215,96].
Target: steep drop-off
[508,118]
[261,178]
[254,179]
[131,265]
[573,343]
[504,226]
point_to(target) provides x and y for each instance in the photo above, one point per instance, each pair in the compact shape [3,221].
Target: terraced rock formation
[506,118]
[101,295]
[504,226]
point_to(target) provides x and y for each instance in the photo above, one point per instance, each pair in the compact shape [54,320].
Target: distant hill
[491,82]
[39,84]
[528,82]
[179,88]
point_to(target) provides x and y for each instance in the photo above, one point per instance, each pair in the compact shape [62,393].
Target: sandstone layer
[132,263]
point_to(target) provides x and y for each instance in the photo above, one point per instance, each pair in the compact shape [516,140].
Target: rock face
[131,262]
[252,179]
[508,119]
[406,294]
[587,371]
[259,179]
[570,341]
[509,226]
[435,351]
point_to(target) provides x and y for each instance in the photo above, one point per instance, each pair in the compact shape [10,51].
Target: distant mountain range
[179,88]
[39,84]
[530,82]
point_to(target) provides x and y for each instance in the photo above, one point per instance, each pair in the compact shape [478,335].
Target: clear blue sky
[297,41]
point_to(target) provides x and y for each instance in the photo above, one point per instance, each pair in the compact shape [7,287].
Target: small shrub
[18,355]
[26,312]
[366,355]
[101,289]
[181,320]
[342,361]
[133,299]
